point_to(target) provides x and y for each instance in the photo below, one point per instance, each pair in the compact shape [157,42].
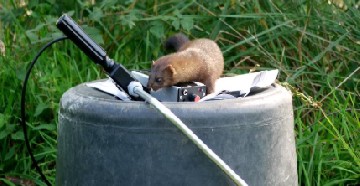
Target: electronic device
[181,92]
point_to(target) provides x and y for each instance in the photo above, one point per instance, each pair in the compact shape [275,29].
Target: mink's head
[162,74]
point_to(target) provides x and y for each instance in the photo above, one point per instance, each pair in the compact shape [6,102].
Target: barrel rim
[273,90]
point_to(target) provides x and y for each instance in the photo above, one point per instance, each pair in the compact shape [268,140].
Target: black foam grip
[73,31]
[117,72]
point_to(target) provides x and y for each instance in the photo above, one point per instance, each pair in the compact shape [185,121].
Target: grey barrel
[105,141]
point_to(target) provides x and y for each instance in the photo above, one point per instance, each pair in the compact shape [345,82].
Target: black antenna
[121,76]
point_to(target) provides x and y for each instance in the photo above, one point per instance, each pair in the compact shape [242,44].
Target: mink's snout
[152,86]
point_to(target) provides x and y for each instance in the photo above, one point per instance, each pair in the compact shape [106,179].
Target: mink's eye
[158,80]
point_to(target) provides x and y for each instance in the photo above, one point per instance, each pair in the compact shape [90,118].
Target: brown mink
[199,60]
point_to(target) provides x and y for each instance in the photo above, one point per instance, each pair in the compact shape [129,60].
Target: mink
[199,60]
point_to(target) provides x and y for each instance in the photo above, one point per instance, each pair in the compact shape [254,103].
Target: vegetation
[314,43]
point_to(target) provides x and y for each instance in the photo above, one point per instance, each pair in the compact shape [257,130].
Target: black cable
[23,117]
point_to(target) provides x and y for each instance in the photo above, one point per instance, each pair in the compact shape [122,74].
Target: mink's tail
[175,42]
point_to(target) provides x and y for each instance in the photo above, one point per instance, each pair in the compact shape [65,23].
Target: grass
[314,44]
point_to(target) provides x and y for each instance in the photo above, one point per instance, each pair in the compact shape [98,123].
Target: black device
[121,76]
[181,92]
[185,92]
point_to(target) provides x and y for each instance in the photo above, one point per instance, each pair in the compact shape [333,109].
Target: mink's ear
[153,62]
[170,69]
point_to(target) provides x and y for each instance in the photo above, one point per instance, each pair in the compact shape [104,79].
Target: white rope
[190,134]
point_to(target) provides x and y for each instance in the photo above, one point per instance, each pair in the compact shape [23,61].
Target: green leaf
[51,21]
[50,127]
[40,108]
[157,29]
[3,120]
[70,13]
[31,35]
[3,134]
[20,72]
[7,182]
[187,23]
[126,21]
[19,135]
[56,35]
[177,13]
[93,33]
[10,153]
[176,24]
[9,128]
[96,14]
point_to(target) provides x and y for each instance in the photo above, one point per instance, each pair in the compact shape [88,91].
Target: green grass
[315,45]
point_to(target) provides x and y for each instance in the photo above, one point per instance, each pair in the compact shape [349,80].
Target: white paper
[109,87]
[243,82]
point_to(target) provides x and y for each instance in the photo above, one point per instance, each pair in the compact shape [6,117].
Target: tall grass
[314,44]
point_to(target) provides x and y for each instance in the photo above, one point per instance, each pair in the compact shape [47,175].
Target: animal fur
[198,60]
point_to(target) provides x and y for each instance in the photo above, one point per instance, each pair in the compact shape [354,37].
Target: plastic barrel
[105,141]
